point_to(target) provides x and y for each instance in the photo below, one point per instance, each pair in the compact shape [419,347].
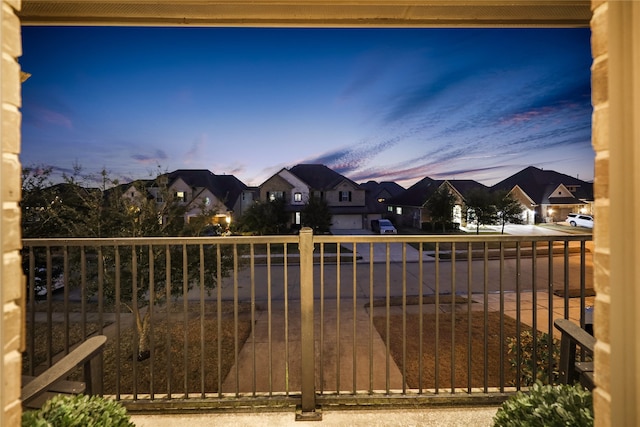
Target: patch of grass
[41,306]
[450,345]
[567,228]
[183,353]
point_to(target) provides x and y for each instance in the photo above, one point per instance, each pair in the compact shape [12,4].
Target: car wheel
[573,223]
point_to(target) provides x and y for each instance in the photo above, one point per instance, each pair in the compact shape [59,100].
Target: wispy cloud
[40,116]
[197,147]
[158,157]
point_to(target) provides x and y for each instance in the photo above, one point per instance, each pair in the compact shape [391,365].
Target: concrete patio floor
[427,417]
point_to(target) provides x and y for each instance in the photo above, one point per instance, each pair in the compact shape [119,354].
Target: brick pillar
[11,282]
[615,43]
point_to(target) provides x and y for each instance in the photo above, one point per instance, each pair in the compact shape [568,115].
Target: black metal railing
[247,321]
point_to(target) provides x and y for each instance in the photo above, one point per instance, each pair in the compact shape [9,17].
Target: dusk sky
[381,104]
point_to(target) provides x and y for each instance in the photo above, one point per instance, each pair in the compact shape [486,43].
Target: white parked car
[580,220]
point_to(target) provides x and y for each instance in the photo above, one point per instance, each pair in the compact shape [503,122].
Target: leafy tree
[74,209]
[440,206]
[316,215]
[265,218]
[480,207]
[508,209]
[60,210]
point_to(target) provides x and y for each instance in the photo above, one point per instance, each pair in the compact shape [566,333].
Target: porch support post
[308,410]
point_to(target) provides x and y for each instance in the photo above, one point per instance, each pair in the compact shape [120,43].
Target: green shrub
[78,411]
[547,406]
[542,358]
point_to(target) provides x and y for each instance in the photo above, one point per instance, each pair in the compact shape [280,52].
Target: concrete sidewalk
[277,346]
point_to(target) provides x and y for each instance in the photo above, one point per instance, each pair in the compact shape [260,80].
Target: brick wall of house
[616,99]
[12,283]
[600,141]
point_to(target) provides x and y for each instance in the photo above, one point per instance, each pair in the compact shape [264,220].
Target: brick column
[616,129]
[12,282]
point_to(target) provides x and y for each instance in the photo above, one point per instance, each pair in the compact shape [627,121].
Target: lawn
[184,350]
[446,347]
[169,332]
[186,366]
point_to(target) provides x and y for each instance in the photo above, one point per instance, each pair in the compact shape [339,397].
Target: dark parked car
[383,226]
[40,281]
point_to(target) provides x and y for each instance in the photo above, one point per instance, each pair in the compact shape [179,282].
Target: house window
[399,210]
[389,208]
[275,195]
[298,218]
[297,197]
[345,196]
[180,195]
[207,201]
[159,199]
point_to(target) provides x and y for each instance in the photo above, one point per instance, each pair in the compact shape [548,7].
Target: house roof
[463,186]
[421,191]
[319,177]
[375,188]
[539,184]
[227,188]
[417,194]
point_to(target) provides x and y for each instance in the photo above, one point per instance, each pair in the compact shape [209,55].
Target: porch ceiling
[309,13]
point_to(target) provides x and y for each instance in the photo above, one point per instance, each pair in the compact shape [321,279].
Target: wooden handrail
[82,355]
[573,336]
[579,335]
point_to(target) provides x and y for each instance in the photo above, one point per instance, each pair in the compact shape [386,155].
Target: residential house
[196,190]
[546,195]
[345,199]
[377,194]
[409,207]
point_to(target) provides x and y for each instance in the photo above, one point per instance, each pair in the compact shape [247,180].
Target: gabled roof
[375,188]
[421,191]
[539,184]
[463,186]
[319,177]
[230,189]
[227,188]
[417,194]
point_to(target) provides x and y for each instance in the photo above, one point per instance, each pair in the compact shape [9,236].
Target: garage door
[346,222]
